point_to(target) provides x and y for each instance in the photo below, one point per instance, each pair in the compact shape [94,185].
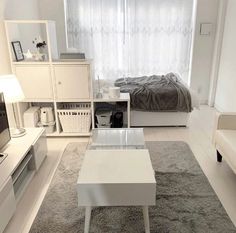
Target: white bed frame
[141,119]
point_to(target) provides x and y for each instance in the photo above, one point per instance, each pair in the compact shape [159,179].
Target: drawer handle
[59,83]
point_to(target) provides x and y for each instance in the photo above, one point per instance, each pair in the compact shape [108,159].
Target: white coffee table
[116,178]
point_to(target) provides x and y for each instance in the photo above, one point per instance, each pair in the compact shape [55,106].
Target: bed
[159,100]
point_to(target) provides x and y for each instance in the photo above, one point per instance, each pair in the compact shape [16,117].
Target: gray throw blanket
[157,93]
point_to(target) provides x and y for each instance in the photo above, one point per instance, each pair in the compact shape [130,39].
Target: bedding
[163,93]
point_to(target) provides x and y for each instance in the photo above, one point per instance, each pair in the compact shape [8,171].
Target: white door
[72,81]
[35,81]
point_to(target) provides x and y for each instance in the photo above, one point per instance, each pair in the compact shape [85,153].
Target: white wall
[54,10]
[24,9]
[4,60]
[29,10]
[226,87]
[207,11]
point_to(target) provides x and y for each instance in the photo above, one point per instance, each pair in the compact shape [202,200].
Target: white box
[114,92]
[31,117]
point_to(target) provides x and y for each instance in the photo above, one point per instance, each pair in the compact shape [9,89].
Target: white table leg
[146,219]
[87,219]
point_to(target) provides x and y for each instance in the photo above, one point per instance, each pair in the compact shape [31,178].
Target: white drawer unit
[7,203]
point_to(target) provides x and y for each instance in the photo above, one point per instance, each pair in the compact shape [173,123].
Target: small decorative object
[99,94]
[40,46]
[114,92]
[39,56]
[72,56]
[39,43]
[16,45]
[28,55]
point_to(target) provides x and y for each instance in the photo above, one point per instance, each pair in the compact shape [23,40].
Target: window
[132,37]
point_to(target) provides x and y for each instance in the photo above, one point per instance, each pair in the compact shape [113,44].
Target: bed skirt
[142,119]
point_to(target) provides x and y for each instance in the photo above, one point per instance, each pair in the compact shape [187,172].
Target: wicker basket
[75,118]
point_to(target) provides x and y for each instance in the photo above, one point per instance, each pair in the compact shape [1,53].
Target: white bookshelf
[53,81]
[50,82]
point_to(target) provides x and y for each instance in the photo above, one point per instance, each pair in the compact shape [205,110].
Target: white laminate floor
[198,135]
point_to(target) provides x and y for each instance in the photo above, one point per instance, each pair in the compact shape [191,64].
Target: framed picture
[16,45]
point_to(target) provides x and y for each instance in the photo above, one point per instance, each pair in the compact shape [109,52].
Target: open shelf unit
[112,103]
[53,82]
[50,82]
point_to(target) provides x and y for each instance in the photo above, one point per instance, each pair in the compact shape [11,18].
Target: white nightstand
[124,97]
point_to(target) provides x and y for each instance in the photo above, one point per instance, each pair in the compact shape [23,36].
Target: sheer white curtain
[132,37]
[96,27]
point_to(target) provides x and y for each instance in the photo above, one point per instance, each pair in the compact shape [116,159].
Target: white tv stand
[24,157]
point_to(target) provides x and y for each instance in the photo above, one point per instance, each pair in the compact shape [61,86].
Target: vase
[40,55]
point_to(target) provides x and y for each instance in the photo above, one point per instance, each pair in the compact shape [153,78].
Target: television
[4,126]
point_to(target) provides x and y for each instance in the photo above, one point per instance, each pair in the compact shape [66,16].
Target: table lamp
[13,93]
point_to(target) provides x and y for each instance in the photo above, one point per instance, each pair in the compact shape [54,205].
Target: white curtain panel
[130,38]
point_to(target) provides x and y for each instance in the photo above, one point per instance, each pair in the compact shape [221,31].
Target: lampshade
[11,88]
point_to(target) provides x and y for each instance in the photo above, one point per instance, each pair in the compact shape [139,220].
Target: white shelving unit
[53,81]
[50,82]
[124,97]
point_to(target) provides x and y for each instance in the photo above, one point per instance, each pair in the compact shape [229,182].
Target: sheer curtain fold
[132,37]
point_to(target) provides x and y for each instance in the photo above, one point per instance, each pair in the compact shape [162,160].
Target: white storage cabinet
[72,81]
[35,81]
[50,82]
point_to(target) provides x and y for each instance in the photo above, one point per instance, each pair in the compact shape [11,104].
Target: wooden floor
[198,135]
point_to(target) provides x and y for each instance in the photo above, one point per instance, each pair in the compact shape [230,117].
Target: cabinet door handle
[59,83]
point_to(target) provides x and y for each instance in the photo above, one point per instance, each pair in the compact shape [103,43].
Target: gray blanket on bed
[157,93]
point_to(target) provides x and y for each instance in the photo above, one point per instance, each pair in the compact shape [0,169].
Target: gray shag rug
[185,200]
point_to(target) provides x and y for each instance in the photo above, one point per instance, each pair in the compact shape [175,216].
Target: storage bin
[104,125]
[117,120]
[49,127]
[75,118]
[103,117]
